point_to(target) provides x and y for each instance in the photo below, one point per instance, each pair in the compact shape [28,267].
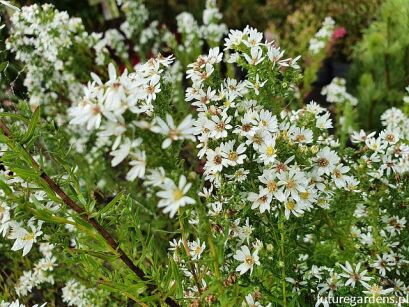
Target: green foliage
[380,70]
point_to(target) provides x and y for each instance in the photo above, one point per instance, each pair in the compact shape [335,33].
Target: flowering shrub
[46,41]
[221,189]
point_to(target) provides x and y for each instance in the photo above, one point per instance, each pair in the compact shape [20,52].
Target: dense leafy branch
[90,220]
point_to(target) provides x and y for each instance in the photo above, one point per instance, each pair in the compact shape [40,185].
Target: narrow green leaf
[12,115]
[112,203]
[26,174]
[100,255]
[6,189]
[31,127]
[3,66]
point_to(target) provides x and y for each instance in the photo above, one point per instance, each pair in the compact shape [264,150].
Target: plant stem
[282,251]
[69,202]
[186,248]
[331,225]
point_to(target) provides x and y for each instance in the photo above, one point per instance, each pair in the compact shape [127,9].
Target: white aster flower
[174,196]
[248,260]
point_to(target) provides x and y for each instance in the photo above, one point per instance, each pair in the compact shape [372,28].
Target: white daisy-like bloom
[174,196]
[25,238]
[231,156]
[138,164]
[265,120]
[324,121]
[261,200]
[218,126]
[244,232]
[124,150]
[214,160]
[300,135]
[239,175]
[256,85]
[274,53]
[383,264]
[215,208]
[267,151]
[270,180]
[247,258]
[115,92]
[354,275]
[255,57]
[292,207]
[338,175]
[155,177]
[249,301]
[376,290]
[292,182]
[184,131]
[330,285]
[326,160]
[375,144]
[360,136]
[196,249]
[5,220]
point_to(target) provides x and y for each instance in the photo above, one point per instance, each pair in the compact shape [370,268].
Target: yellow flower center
[272,186]
[304,195]
[177,194]
[233,155]
[198,250]
[249,260]
[28,237]
[290,205]
[270,151]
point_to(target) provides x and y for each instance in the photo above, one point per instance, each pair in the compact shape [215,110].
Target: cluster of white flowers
[336,92]
[321,38]
[288,156]
[114,40]
[105,103]
[193,36]
[193,249]
[394,119]
[188,27]
[17,303]
[136,17]
[238,136]
[263,168]
[212,30]
[108,101]
[44,39]
[39,275]
[76,294]
[385,155]
[382,273]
